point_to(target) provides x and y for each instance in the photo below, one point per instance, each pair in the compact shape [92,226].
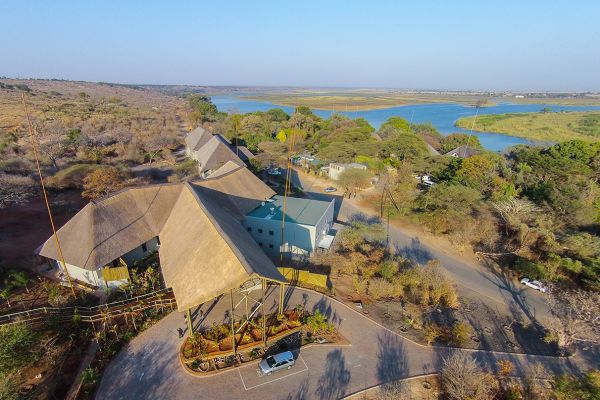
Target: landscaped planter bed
[211,350]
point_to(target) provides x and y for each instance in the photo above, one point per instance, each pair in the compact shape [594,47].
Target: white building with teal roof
[307,227]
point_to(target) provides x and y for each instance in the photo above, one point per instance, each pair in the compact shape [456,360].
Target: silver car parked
[275,363]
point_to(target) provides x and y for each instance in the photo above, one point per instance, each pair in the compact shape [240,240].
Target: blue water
[441,115]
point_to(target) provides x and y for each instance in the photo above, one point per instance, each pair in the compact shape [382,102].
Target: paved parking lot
[251,379]
[148,367]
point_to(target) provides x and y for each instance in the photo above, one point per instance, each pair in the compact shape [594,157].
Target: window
[144,247]
[271,233]
[260,244]
[249,229]
[259,230]
[270,246]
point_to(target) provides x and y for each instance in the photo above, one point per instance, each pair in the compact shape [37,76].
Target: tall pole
[281,291]
[264,314]
[285,193]
[39,170]
[232,323]
[190,325]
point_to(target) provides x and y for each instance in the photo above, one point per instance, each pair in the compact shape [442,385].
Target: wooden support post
[190,325]
[264,315]
[232,324]
[281,292]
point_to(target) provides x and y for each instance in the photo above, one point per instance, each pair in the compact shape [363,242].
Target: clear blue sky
[490,45]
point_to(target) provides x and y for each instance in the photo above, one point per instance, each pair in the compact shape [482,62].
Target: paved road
[472,278]
[148,367]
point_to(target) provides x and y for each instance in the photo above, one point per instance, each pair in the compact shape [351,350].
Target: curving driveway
[148,367]
[473,279]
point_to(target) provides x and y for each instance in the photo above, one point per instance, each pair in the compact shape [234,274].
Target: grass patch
[72,176]
[551,126]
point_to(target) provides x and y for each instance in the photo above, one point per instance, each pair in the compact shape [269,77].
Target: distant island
[371,99]
[541,126]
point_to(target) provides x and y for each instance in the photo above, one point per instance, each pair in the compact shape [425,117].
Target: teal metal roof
[300,211]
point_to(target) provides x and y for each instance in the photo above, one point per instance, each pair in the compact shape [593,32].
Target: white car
[537,285]
[275,363]
[330,189]
[274,171]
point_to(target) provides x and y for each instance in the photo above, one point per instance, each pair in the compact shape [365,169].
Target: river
[442,115]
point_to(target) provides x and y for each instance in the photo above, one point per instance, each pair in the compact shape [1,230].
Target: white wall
[95,277]
[138,253]
[298,235]
[325,223]
[83,275]
[335,170]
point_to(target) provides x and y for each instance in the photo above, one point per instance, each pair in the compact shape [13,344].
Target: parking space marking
[276,379]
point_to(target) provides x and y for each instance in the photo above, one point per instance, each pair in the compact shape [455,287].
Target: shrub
[90,376]
[18,347]
[380,288]
[530,269]
[463,379]
[318,323]
[505,367]
[432,333]
[573,387]
[103,181]
[387,270]
[460,333]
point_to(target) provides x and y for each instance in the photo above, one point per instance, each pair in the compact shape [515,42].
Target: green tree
[404,146]
[455,140]
[352,179]
[398,123]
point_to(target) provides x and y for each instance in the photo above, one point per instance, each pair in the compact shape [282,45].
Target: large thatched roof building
[204,248]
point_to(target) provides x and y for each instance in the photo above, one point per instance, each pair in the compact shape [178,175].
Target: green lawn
[550,126]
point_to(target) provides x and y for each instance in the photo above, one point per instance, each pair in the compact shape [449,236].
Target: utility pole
[39,170]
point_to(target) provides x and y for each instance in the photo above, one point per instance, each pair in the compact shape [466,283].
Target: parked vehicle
[330,189]
[274,171]
[537,285]
[275,363]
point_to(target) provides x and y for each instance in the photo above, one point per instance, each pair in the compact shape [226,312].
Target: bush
[18,347]
[460,334]
[432,333]
[379,288]
[90,376]
[387,270]
[573,387]
[529,269]
[318,323]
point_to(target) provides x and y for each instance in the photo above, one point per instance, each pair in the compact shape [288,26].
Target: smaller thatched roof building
[214,154]
[197,138]
[463,151]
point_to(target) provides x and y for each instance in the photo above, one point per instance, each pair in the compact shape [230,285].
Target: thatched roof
[214,154]
[204,251]
[235,188]
[243,153]
[197,138]
[106,229]
[463,151]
